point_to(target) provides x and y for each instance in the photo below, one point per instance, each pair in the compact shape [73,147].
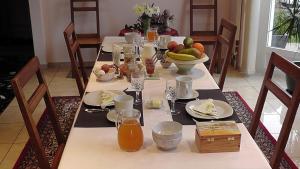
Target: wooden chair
[91,40]
[292,103]
[206,37]
[227,41]
[27,107]
[76,58]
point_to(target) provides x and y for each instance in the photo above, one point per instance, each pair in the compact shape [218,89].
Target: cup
[184,87]
[152,35]
[163,41]
[123,103]
[147,52]
[130,36]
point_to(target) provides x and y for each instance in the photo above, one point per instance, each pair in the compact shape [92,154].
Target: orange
[199,46]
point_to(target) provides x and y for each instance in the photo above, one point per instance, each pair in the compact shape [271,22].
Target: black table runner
[185,119]
[98,119]
[105,56]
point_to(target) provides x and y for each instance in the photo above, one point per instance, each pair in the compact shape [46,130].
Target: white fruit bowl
[104,77]
[184,67]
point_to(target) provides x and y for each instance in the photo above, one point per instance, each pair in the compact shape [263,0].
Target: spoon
[96,110]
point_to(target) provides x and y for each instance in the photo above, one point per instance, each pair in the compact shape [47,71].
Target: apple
[105,68]
[172,45]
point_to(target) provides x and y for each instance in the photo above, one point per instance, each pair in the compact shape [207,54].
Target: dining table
[92,145]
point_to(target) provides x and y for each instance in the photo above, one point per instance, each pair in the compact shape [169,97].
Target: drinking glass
[116,54]
[170,93]
[152,35]
[137,83]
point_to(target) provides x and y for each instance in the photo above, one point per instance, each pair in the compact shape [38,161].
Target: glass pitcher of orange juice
[130,133]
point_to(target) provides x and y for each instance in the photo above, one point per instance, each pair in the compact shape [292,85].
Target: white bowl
[184,67]
[104,77]
[167,134]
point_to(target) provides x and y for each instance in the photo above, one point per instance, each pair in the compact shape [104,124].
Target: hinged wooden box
[212,137]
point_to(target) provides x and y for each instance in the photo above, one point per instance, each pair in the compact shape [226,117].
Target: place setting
[101,108]
[188,106]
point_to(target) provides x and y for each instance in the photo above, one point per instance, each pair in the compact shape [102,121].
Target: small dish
[154,103]
[195,95]
[113,116]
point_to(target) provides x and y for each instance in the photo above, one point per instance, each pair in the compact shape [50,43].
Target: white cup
[147,52]
[184,87]
[163,41]
[123,102]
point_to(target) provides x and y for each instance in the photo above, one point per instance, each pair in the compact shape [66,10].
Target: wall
[114,14]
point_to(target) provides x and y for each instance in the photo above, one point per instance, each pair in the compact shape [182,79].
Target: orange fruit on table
[199,46]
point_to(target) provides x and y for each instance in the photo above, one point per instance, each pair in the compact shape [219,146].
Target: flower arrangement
[149,15]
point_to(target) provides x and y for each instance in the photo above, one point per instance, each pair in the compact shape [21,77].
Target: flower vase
[146,25]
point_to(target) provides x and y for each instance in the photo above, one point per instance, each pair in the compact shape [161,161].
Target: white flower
[139,9]
[149,12]
[156,10]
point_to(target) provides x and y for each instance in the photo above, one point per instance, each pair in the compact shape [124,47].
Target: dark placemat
[105,56]
[185,119]
[98,119]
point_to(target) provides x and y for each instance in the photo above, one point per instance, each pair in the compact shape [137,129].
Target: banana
[183,57]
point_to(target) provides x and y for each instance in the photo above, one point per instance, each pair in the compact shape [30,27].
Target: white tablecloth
[109,40]
[94,148]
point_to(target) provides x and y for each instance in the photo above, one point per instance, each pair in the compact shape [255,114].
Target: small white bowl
[167,134]
[104,77]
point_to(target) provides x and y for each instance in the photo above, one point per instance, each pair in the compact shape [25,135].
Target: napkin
[207,107]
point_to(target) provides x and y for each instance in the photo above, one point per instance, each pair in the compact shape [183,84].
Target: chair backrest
[75,7]
[205,7]
[27,107]
[76,58]
[227,41]
[292,102]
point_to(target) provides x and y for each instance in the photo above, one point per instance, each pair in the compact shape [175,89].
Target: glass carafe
[130,134]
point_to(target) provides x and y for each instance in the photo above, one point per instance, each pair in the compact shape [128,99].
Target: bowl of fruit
[105,72]
[185,56]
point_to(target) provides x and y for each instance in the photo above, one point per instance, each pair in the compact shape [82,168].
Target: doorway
[16,44]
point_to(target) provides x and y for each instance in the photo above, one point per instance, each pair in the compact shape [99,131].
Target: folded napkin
[207,107]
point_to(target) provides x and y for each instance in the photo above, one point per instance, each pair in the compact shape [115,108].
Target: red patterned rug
[263,138]
[67,107]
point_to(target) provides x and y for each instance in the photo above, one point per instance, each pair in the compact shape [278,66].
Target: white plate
[112,115]
[195,95]
[108,46]
[223,109]
[94,98]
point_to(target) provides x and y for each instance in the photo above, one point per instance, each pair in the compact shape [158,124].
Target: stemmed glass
[138,42]
[170,93]
[137,83]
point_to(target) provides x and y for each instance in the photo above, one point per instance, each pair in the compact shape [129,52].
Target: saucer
[195,95]
[112,115]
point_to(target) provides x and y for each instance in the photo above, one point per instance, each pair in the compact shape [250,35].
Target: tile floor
[13,134]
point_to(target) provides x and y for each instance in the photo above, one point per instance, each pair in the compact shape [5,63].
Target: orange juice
[130,135]
[152,35]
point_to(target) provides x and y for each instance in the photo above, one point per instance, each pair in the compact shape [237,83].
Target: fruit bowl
[184,67]
[104,77]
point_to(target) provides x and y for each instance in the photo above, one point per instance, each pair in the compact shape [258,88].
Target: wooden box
[212,137]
